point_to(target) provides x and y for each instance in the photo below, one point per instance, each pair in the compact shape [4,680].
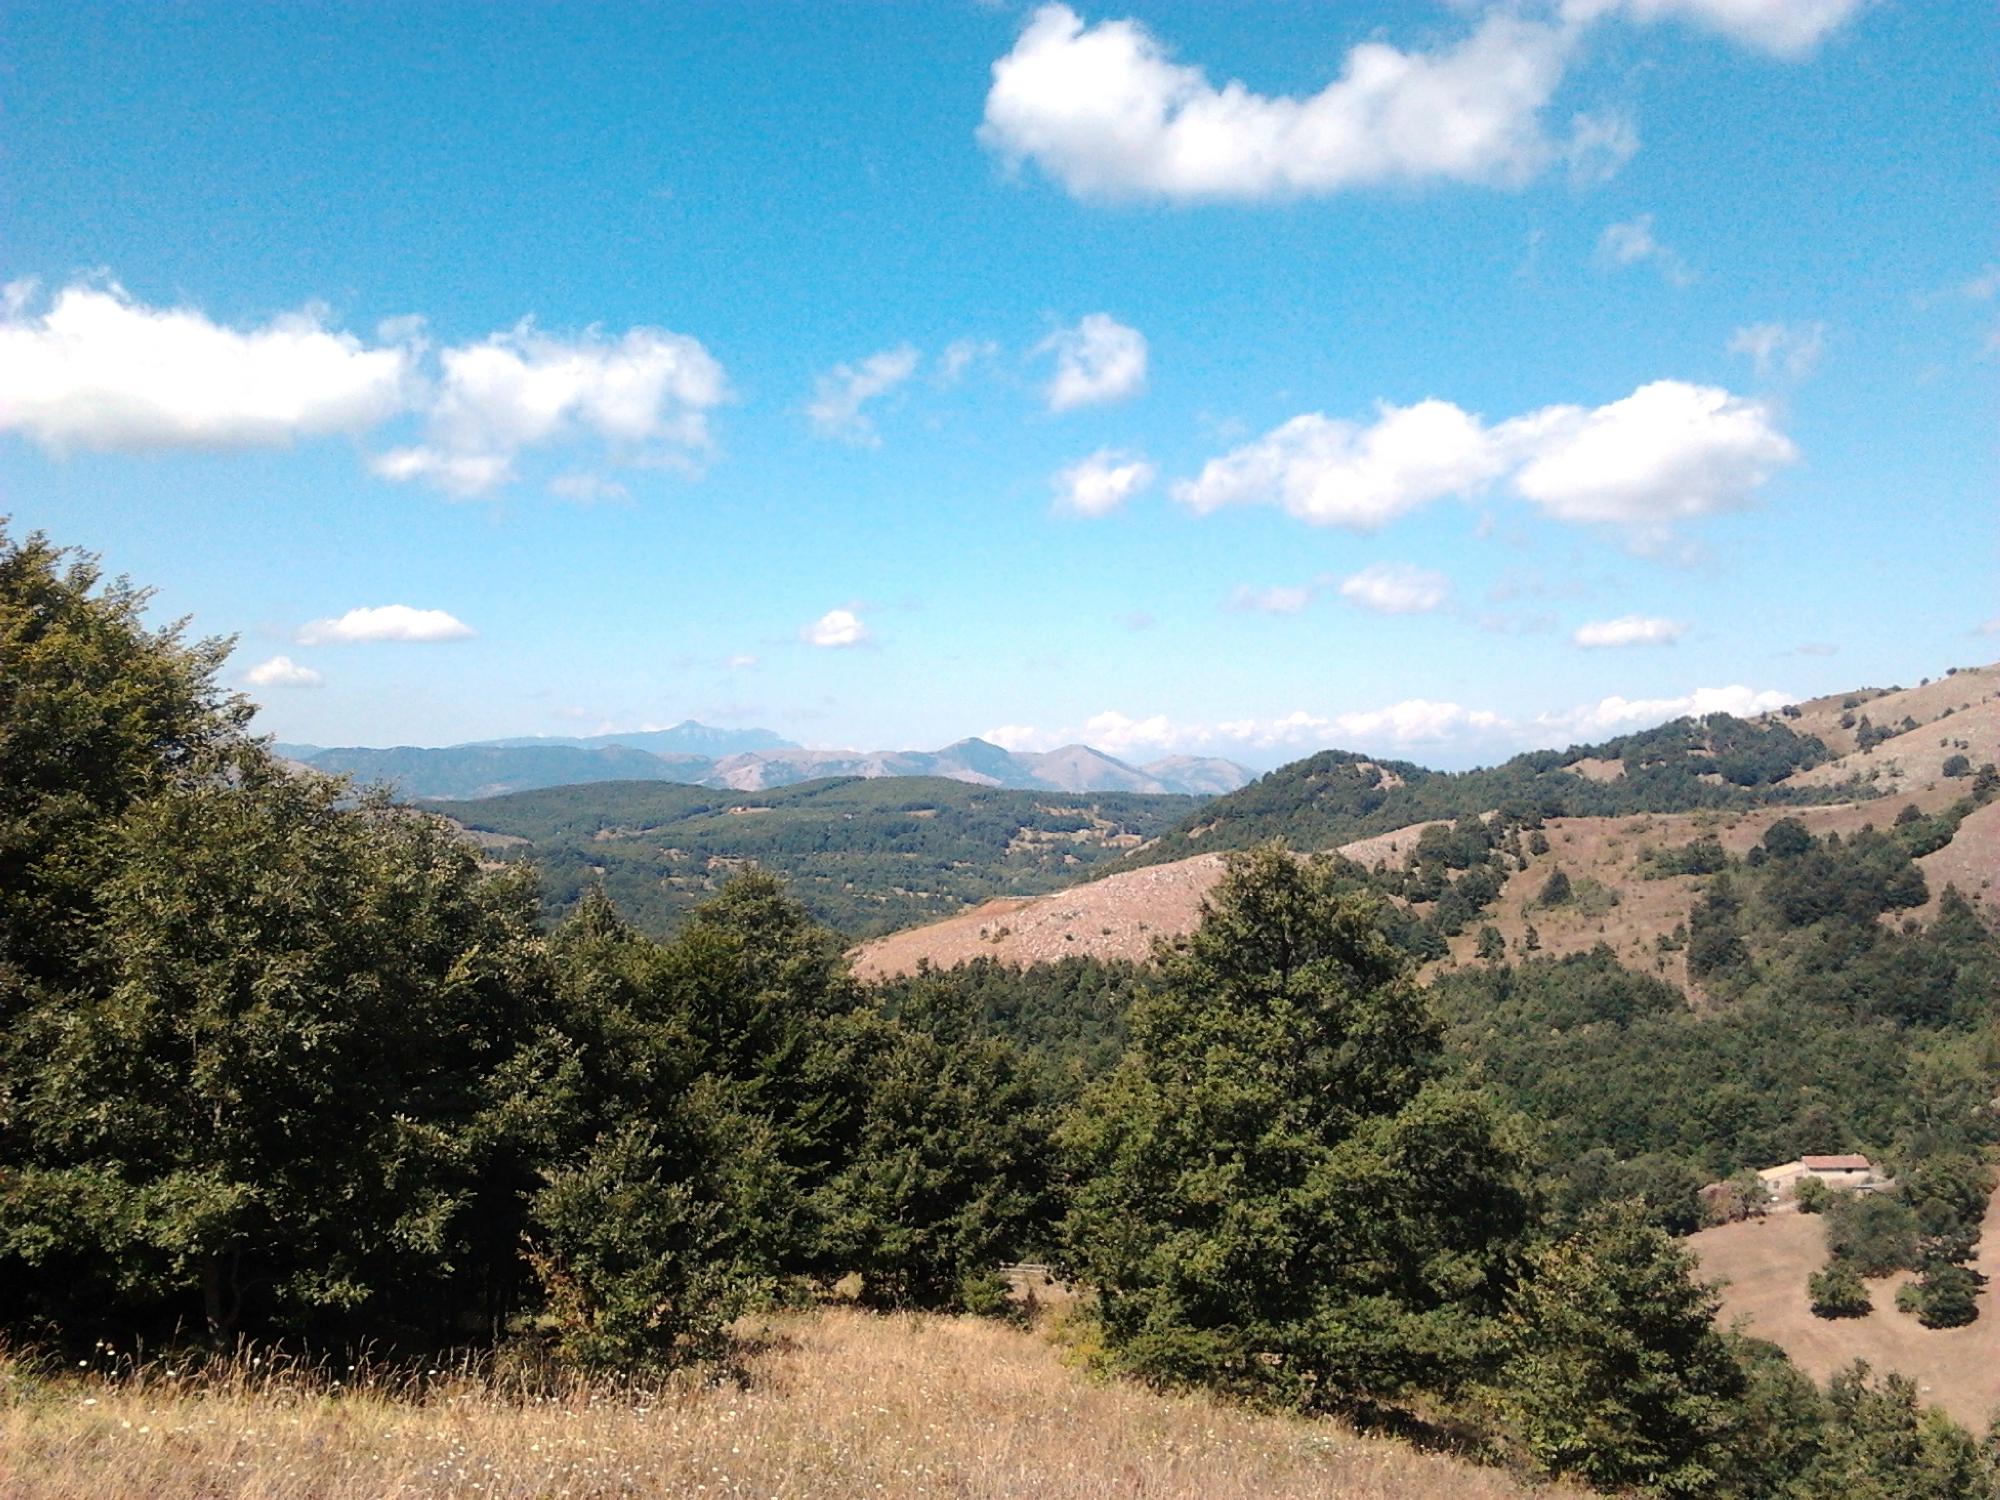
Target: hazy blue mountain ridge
[497,767]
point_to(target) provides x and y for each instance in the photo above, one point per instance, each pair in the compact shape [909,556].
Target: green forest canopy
[864,856]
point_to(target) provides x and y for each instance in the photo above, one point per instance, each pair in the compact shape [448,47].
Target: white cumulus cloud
[646,394]
[1630,630]
[1397,589]
[385,622]
[835,628]
[1617,715]
[1426,729]
[1338,473]
[841,395]
[282,671]
[1099,360]
[96,369]
[1014,736]
[1414,721]
[1101,483]
[1668,452]
[1106,112]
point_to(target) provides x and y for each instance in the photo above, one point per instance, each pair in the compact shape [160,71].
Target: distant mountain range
[747,760]
[686,738]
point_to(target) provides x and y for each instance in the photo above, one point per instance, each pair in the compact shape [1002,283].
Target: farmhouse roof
[1835,1163]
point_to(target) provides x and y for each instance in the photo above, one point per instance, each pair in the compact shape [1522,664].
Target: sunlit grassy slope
[837,1403]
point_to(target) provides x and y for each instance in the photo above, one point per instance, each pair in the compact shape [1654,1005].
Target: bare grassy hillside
[837,1404]
[1122,915]
[1927,703]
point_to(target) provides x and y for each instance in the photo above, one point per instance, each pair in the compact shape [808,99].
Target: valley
[864,855]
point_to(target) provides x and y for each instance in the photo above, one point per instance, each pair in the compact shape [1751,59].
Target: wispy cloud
[841,396]
[1397,589]
[1633,243]
[1272,599]
[1789,349]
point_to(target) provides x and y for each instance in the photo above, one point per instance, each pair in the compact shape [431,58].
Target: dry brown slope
[1916,757]
[1764,1263]
[1926,703]
[1121,916]
[838,1404]
[1118,917]
[1971,861]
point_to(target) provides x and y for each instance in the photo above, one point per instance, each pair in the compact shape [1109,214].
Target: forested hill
[863,855]
[1338,796]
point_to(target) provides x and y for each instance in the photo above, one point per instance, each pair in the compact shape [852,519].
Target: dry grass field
[834,1404]
[1764,1263]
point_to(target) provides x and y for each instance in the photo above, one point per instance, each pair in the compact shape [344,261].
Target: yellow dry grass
[1763,1265]
[837,1403]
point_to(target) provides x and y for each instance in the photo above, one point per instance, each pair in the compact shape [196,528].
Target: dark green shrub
[1945,1296]
[1874,1232]
[1837,1291]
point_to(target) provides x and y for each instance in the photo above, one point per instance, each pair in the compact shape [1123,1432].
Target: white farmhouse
[1853,1172]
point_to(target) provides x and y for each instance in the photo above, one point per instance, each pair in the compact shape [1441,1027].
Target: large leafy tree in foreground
[1276,1190]
[253,1038]
[1618,1374]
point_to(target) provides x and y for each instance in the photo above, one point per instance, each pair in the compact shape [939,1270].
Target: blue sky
[1434,379]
